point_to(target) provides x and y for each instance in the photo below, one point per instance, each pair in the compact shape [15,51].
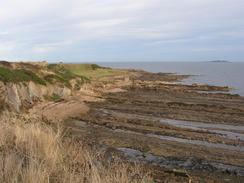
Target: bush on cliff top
[19,75]
[63,75]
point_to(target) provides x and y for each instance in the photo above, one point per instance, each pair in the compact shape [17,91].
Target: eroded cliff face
[24,95]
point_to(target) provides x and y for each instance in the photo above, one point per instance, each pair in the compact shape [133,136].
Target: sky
[121,30]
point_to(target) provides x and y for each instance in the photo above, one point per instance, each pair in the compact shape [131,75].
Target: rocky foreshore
[140,120]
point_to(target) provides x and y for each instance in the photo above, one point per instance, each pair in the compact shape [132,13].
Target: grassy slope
[92,71]
[63,75]
[56,73]
[19,75]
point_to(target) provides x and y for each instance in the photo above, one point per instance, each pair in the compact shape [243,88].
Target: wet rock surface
[188,164]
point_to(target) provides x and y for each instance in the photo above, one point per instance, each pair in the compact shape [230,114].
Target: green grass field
[92,71]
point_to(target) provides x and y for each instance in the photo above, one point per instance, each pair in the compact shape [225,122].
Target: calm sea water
[213,73]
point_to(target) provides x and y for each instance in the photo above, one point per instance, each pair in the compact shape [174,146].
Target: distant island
[220,61]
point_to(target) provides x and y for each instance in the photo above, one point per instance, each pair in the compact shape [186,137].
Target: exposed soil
[59,111]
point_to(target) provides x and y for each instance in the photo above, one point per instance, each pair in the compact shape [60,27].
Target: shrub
[95,66]
[54,97]
[19,75]
[63,75]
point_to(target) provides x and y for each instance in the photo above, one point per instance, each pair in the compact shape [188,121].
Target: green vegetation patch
[60,70]
[91,71]
[19,75]
[63,75]
[52,78]
[78,68]
[54,97]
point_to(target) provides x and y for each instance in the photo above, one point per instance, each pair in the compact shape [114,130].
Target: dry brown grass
[31,151]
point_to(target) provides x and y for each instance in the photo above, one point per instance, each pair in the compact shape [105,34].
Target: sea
[213,73]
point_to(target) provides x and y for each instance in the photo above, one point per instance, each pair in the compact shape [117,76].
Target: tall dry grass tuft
[28,151]
[31,151]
